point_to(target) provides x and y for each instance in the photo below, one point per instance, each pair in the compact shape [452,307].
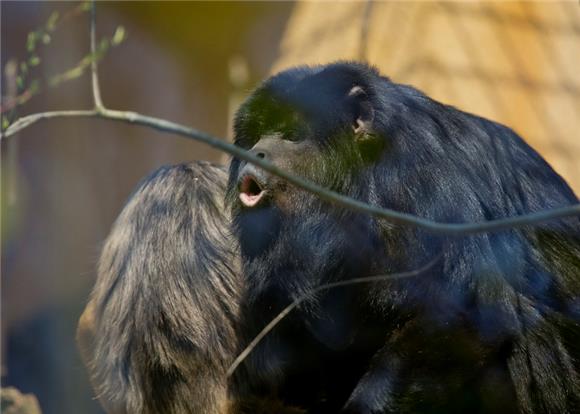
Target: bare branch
[26,121]
[392,216]
[94,75]
[369,279]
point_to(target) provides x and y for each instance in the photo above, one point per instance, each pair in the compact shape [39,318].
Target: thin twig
[369,279]
[324,193]
[28,120]
[94,75]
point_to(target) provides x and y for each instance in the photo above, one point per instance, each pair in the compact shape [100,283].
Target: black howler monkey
[492,326]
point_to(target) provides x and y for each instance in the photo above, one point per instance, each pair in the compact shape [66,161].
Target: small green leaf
[31,41]
[52,20]
[34,60]
[85,61]
[34,86]
[23,68]
[86,6]
[119,36]
[46,38]
[103,45]
[19,82]
[5,123]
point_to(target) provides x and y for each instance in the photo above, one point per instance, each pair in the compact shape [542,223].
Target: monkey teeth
[250,191]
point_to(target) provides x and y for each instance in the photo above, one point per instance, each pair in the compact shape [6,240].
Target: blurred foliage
[214,30]
[10,214]
[102,48]
[27,86]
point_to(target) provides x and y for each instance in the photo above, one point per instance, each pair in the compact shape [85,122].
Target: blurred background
[64,181]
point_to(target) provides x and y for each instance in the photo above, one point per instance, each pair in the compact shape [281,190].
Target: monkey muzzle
[251,186]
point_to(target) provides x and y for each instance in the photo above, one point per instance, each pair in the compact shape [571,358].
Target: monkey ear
[362,111]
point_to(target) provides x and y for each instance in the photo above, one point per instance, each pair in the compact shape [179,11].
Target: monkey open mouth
[251,191]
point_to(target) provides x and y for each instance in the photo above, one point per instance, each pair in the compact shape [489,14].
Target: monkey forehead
[270,111]
[273,134]
[304,101]
[264,115]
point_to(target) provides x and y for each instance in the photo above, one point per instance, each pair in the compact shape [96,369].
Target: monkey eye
[294,134]
[291,137]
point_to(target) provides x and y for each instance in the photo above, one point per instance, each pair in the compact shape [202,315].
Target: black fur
[160,329]
[493,326]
